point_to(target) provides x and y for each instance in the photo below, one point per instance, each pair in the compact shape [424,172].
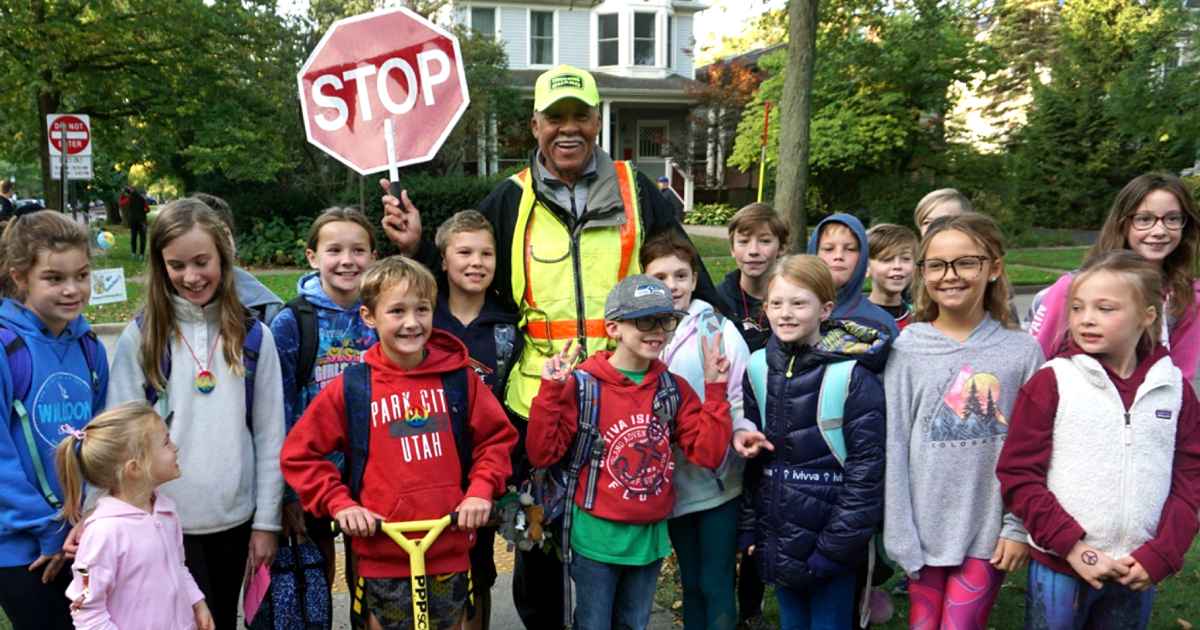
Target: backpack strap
[666,401]
[455,386]
[356,390]
[505,336]
[90,345]
[20,365]
[306,322]
[589,447]
[756,368]
[251,348]
[831,406]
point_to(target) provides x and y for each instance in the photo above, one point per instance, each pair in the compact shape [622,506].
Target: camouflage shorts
[390,600]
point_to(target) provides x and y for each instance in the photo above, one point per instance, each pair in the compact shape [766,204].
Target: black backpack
[298,598]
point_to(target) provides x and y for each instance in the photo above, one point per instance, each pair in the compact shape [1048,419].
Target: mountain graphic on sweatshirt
[968,410]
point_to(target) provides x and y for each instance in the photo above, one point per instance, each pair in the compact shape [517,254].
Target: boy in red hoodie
[413,471]
[619,533]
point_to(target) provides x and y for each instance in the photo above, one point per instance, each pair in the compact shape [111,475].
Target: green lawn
[1176,599]
[1065,258]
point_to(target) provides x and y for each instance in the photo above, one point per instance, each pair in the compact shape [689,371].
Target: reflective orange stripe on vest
[564,329]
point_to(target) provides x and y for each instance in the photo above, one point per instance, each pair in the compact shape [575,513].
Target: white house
[640,52]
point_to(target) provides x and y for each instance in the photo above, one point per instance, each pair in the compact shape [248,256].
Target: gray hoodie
[948,405]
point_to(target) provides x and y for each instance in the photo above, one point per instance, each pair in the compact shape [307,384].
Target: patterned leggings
[954,598]
[1056,601]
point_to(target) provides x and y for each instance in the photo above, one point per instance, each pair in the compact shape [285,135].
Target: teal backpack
[831,402]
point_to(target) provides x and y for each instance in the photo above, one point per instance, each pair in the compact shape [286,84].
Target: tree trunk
[51,191]
[791,182]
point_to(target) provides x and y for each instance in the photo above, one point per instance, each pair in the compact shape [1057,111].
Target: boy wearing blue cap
[632,410]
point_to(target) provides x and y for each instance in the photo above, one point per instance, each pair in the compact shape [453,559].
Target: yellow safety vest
[561,280]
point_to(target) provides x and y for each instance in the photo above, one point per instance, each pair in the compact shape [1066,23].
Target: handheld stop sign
[383,90]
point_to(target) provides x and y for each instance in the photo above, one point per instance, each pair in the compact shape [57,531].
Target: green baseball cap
[564,82]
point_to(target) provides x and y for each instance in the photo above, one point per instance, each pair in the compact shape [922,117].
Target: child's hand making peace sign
[716,364]
[558,367]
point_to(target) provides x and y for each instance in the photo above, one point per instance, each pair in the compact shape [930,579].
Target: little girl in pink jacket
[129,571]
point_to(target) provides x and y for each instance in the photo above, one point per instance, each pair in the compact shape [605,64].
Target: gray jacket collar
[604,206]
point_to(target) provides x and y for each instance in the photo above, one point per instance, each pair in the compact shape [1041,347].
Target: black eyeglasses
[1145,221]
[666,322]
[965,267]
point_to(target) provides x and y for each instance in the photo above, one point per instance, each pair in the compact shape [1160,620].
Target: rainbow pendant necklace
[204,382]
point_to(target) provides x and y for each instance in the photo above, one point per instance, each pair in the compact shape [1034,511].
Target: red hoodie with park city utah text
[412,471]
[634,485]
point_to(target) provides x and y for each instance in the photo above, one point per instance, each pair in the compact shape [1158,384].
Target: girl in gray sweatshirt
[951,382]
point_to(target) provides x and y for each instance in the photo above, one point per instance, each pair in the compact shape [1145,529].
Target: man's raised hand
[401,220]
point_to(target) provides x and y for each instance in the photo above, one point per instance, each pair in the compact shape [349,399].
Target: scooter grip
[394,189]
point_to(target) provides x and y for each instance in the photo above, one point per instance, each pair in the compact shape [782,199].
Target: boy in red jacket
[619,533]
[413,471]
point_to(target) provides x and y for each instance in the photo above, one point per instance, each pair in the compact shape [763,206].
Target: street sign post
[69,139]
[383,90]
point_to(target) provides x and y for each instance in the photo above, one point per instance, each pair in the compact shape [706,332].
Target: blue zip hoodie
[343,339]
[60,393]
[852,303]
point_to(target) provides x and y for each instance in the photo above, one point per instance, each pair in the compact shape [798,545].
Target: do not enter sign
[382,90]
[76,131]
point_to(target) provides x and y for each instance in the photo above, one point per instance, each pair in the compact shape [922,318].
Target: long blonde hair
[158,319]
[1179,268]
[28,235]
[1143,277]
[985,233]
[98,453]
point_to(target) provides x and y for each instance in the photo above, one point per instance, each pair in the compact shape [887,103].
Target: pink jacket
[1048,324]
[135,573]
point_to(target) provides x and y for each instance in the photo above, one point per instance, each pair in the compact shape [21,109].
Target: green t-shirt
[611,542]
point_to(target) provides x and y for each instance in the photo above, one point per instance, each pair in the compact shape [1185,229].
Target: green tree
[1117,103]
[186,86]
[881,91]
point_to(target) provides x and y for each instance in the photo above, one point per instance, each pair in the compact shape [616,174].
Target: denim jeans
[827,605]
[1056,601]
[613,596]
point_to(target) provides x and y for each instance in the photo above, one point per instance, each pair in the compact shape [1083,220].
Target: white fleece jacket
[229,476]
[1111,470]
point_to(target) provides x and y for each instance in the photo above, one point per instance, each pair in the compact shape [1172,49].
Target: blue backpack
[20,365]
[251,346]
[298,598]
[831,402]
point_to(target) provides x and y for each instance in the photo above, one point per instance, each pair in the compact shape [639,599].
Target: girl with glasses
[1155,216]
[951,382]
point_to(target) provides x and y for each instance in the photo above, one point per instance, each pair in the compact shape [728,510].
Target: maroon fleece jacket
[1025,461]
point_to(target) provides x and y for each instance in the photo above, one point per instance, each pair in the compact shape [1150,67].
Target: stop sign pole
[383,90]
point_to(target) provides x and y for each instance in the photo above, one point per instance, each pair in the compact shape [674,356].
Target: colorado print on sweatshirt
[417,419]
[969,413]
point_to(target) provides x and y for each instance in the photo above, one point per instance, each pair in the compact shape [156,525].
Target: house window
[608,45]
[541,38]
[483,21]
[652,140]
[670,41]
[643,39]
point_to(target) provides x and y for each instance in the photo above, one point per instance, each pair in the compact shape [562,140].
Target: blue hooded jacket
[60,393]
[852,303]
[343,338]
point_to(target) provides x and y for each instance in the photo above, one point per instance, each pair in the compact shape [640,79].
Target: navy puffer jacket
[812,519]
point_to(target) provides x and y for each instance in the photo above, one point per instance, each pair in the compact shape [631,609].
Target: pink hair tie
[78,434]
